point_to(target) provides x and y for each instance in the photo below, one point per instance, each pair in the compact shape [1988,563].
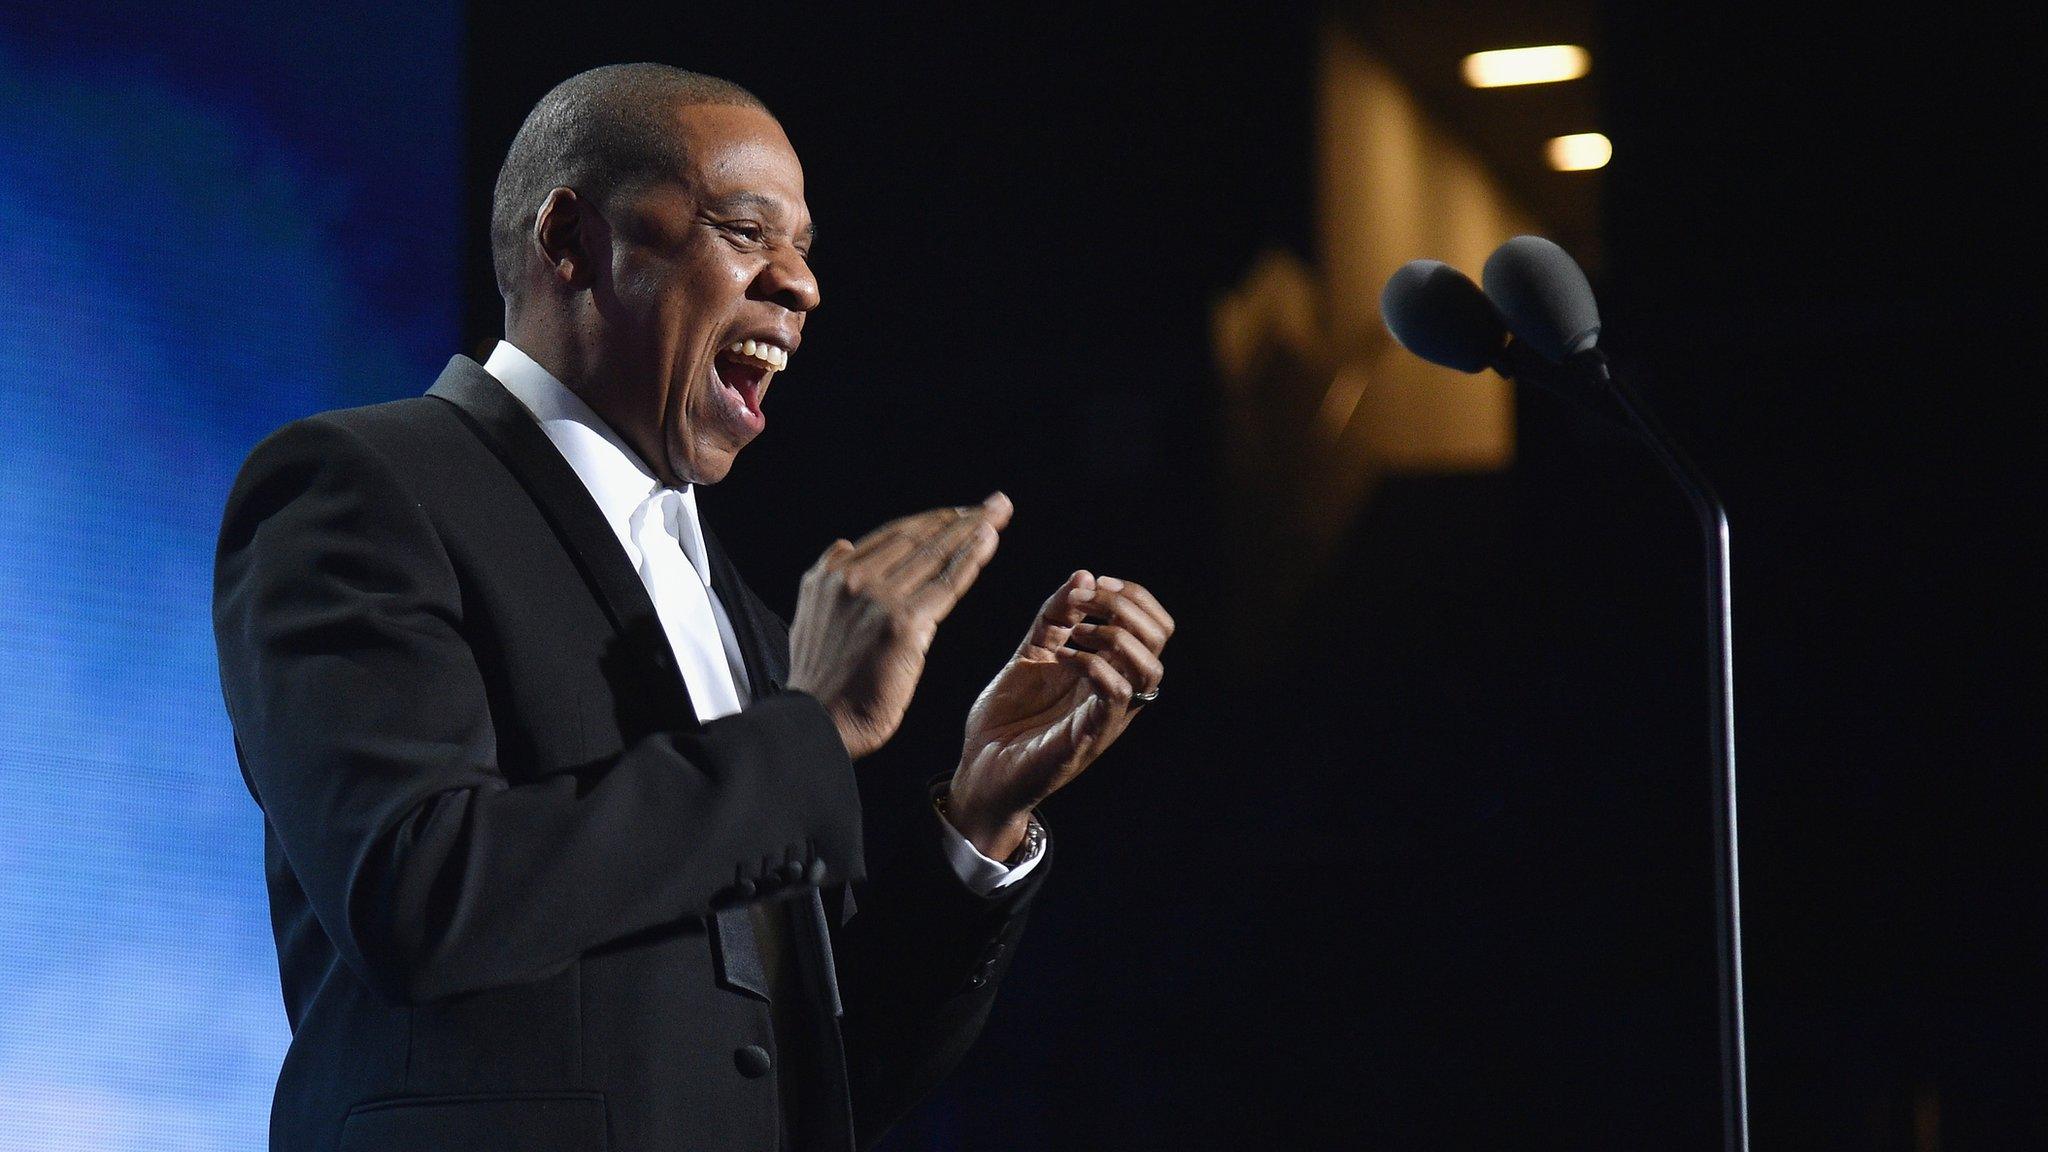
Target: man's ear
[569,237]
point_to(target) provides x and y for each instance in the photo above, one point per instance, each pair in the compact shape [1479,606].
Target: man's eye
[751,233]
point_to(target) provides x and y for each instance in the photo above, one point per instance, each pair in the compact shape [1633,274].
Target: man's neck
[575,368]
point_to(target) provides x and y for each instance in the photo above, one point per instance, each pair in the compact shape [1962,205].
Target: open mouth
[742,369]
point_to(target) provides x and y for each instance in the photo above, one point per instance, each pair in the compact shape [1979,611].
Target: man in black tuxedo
[561,823]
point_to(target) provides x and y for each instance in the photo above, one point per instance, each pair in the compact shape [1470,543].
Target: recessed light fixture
[1579,152]
[1547,64]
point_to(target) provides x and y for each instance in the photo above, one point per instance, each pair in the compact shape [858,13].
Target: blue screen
[213,219]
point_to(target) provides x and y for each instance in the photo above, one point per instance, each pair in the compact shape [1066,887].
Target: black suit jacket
[508,871]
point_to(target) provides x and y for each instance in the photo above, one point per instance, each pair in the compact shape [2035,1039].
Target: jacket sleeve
[919,965]
[365,733]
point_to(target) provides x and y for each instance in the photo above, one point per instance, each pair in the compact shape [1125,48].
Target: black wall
[1825,257]
[1435,873]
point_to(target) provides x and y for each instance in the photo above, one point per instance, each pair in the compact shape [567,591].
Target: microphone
[1543,297]
[1438,313]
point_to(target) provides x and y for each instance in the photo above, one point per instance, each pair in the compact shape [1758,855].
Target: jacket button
[815,874]
[753,1061]
[792,871]
[744,889]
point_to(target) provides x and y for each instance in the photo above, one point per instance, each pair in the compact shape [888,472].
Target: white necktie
[680,587]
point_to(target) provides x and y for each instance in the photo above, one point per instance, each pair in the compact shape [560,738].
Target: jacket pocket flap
[509,1122]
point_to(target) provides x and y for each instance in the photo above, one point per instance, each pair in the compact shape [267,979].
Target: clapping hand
[1088,664]
[867,613]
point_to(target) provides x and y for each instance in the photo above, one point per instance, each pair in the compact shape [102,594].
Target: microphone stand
[1518,362]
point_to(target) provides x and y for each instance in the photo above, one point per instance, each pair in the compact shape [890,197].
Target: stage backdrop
[217,217]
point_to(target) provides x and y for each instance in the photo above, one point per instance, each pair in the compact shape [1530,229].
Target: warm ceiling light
[1546,65]
[1580,152]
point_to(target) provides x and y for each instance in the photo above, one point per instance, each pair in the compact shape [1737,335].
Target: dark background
[1431,868]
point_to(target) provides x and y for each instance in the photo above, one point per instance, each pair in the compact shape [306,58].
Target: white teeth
[769,356]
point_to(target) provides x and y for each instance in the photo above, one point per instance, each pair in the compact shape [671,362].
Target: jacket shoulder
[397,427]
[404,437]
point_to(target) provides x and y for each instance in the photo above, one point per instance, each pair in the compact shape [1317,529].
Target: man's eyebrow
[735,201]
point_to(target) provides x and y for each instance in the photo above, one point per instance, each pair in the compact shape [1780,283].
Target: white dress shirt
[664,541]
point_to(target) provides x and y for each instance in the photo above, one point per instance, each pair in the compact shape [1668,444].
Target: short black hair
[597,132]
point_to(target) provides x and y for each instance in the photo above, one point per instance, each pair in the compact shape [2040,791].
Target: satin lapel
[767,667]
[504,424]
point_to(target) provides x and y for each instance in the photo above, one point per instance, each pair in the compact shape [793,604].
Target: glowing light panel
[1579,152]
[1546,64]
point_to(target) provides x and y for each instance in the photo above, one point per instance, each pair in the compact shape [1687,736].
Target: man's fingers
[1124,651]
[1108,682]
[1142,597]
[917,525]
[1058,615]
[889,543]
[835,557]
[944,588]
[942,566]
[1128,605]
[1110,608]
[934,550]
[901,533]
[998,508]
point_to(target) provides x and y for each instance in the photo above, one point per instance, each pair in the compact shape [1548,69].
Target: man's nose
[788,281]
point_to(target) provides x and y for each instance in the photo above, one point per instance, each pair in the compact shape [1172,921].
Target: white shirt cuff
[981,874]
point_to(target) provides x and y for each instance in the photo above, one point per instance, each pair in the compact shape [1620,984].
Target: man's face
[700,267]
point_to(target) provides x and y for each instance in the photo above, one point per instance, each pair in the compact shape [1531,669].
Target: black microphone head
[1439,314]
[1543,295]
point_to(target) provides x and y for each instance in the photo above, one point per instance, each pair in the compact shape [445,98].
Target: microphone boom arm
[1713,521]
[1518,362]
